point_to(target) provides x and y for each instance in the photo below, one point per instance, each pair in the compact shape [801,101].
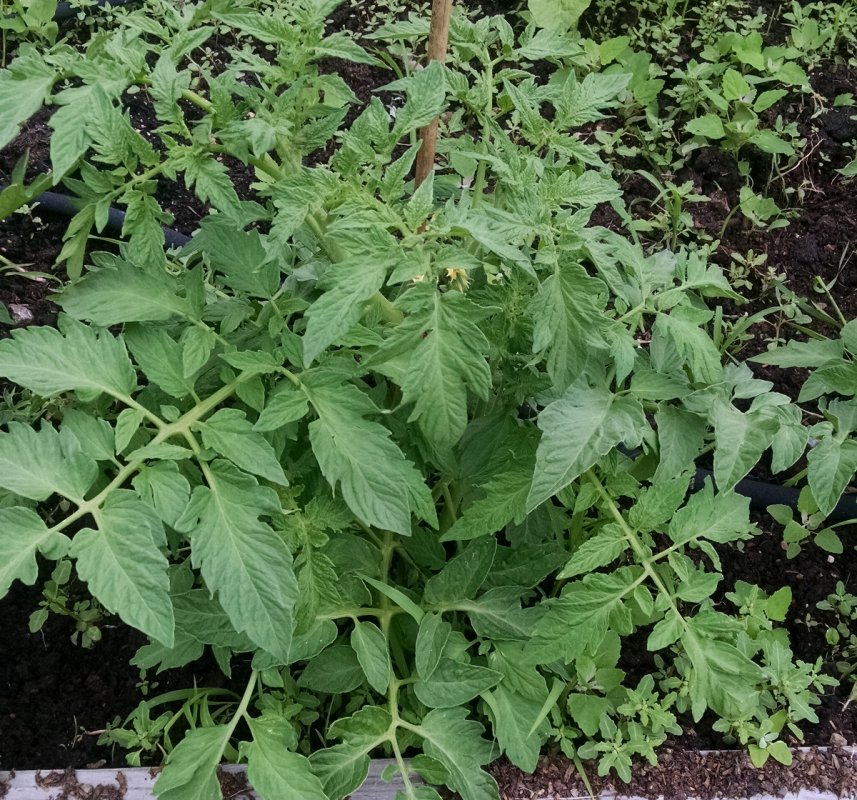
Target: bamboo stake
[441,11]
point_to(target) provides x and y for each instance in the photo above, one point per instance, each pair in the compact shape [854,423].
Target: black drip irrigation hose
[764,494]
[65,206]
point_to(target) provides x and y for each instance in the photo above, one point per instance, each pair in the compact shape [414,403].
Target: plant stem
[636,545]
[180,427]
[441,11]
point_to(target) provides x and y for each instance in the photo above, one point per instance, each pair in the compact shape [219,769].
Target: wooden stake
[441,11]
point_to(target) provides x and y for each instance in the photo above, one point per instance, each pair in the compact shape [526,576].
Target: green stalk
[643,559]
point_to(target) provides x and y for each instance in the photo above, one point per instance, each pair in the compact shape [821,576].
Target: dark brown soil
[53,693]
[682,774]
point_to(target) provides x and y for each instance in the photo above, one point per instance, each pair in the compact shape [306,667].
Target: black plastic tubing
[66,206]
[763,494]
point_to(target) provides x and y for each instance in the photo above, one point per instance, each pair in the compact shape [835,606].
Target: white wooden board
[138,784]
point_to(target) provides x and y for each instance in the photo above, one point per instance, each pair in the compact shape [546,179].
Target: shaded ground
[54,693]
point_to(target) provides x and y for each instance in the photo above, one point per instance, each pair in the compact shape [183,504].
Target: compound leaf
[578,429]
[378,483]
[439,354]
[37,464]
[457,743]
[241,557]
[124,568]
[75,357]
[22,535]
[190,772]
[230,433]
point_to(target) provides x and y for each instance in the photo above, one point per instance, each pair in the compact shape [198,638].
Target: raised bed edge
[138,782]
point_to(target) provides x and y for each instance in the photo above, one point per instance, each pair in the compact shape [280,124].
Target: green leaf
[164,488]
[568,321]
[201,617]
[777,605]
[95,435]
[439,355]
[589,189]
[769,142]
[780,751]
[124,568]
[239,255]
[373,653]
[454,683]
[505,501]
[22,94]
[191,769]
[70,139]
[426,93]
[650,385]
[342,769]
[811,353]
[274,772]
[159,355]
[37,464]
[681,436]
[167,85]
[127,424]
[142,226]
[599,551]
[397,596]
[228,432]
[378,483]
[580,102]
[461,578]
[242,559]
[196,346]
[735,86]
[341,45]
[587,711]
[22,535]
[512,717]
[766,99]
[792,74]
[431,639]
[721,517]
[709,125]
[209,179]
[581,616]
[75,357]
[498,615]
[457,743]
[336,670]
[831,465]
[350,284]
[557,15]
[694,345]
[740,439]
[722,678]
[577,430]
[318,584]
